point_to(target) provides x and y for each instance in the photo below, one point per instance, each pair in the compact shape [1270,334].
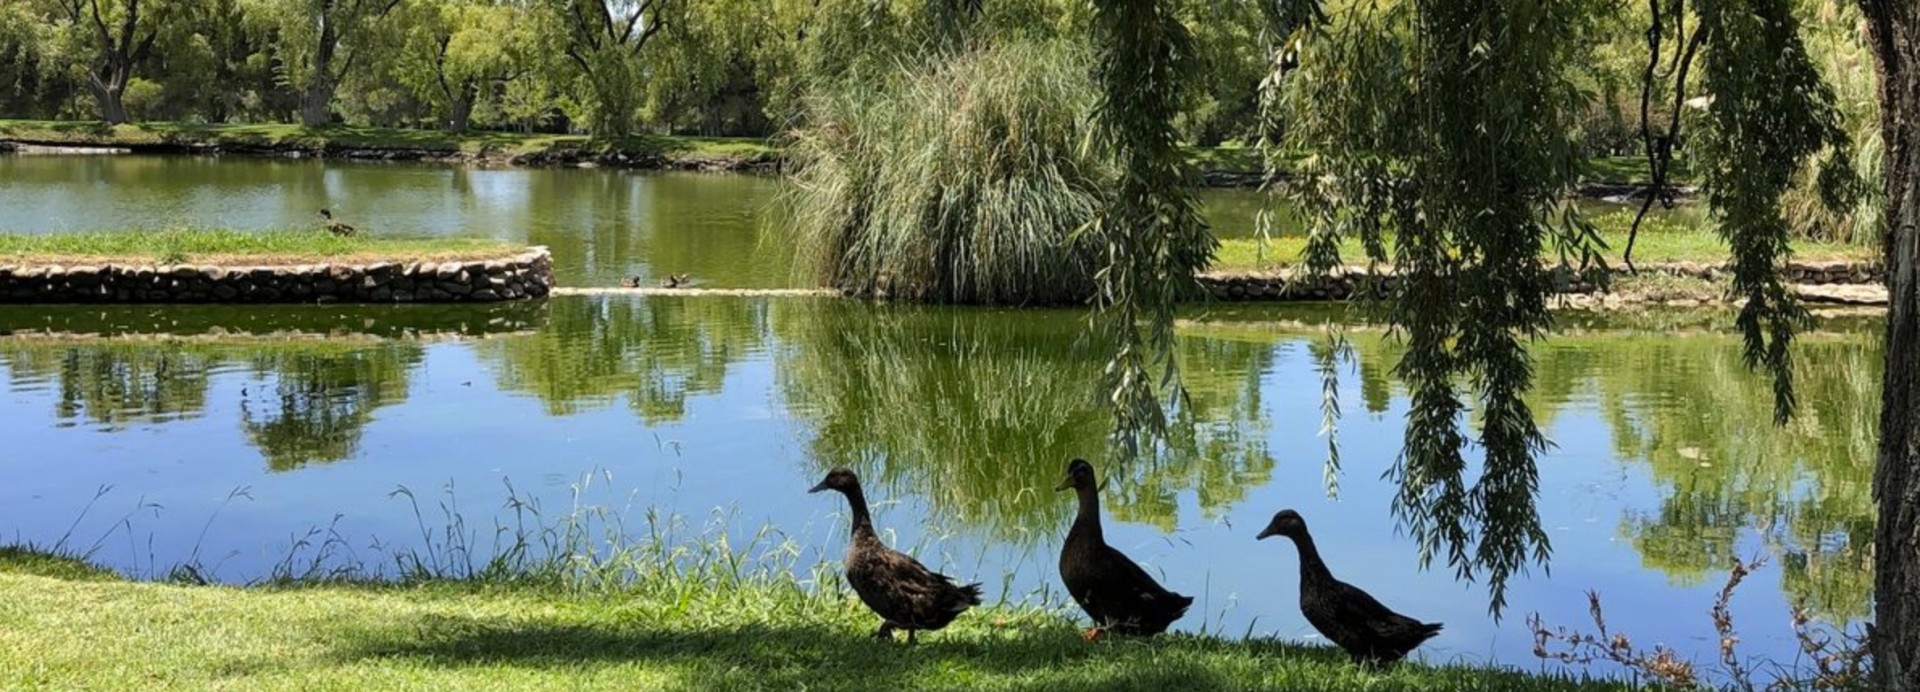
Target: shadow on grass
[832,656]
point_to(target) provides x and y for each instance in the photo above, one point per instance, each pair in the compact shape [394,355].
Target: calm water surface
[231,433]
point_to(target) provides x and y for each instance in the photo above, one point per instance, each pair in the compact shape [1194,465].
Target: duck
[1117,594]
[904,593]
[1369,632]
[336,227]
[676,281]
[630,282]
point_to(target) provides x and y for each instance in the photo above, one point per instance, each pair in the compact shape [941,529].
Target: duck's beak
[818,488]
[1264,533]
[1065,483]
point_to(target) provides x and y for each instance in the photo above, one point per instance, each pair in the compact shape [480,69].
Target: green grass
[1605,169]
[1661,240]
[212,246]
[341,137]
[72,630]
[1228,157]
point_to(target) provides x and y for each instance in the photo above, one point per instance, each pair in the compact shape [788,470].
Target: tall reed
[963,180]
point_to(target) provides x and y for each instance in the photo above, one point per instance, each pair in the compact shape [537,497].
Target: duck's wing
[1137,583]
[1361,607]
[923,589]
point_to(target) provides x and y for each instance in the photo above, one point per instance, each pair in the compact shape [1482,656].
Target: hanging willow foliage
[1769,114]
[1441,139]
[1153,238]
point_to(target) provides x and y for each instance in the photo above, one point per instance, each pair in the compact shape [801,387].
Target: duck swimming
[676,281]
[1120,596]
[630,282]
[904,593]
[1341,612]
[339,228]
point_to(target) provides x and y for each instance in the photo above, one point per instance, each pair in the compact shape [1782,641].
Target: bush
[962,181]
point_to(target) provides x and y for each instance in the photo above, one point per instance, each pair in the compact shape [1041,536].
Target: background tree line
[616,67]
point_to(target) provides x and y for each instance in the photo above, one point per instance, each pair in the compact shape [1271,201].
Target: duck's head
[1079,476]
[840,479]
[1285,523]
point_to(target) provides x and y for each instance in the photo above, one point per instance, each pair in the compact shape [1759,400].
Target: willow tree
[1441,142]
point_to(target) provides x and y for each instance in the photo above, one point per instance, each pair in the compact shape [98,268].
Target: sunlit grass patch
[220,246]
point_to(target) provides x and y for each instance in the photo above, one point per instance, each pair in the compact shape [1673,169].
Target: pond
[231,435]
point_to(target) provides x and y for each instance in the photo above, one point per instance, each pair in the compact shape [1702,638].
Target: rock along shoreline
[523,275]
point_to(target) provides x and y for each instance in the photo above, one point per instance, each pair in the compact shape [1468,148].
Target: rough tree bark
[316,105]
[119,52]
[1893,33]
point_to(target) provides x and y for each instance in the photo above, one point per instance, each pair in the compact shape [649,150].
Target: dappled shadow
[988,653]
[820,655]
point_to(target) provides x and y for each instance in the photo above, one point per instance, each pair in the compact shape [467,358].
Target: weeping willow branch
[1441,140]
[1153,236]
[1660,147]
[1764,125]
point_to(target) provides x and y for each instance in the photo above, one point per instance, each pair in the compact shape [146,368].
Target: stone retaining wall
[526,275]
[1341,283]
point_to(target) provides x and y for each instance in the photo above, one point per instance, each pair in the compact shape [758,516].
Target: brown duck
[335,226]
[676,281]
[905,594]
[1345,615]
[630,282]
[1118,595]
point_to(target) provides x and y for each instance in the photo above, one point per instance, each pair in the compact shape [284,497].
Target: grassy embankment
[1660,241]
[68,625]
[211,246]
[279,137]
[511,145]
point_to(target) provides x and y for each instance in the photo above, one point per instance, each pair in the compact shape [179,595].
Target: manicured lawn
[350,137]
[212,246]
[67,626]
[1659,241]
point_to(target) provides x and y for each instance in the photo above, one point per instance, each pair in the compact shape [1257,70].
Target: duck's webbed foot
[885,631]
[1092,633]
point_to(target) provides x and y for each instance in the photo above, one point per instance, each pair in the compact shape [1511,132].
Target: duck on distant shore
[1341,612]
[676,281]
[1120,596]
[630,282]
[904,593]
[336,227]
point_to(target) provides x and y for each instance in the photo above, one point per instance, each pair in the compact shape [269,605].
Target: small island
[221,266]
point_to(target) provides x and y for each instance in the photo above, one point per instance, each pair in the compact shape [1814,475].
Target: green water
[230,433]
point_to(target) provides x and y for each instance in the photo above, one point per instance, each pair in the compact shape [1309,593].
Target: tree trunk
[1894,36]
[460,111]
[316,106]
[112,109]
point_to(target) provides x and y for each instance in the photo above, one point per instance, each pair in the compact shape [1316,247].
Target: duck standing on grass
[336,227]
[1118,595]
[904,593]
[1342,613]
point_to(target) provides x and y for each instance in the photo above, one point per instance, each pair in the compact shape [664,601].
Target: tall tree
[1893,33]
[119,34]
[605,39]
[456,49]
[317,42]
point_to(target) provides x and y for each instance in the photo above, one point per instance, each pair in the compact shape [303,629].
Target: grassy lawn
[70,626]
[1659,241]
[349,137]
[209,246]
[1229,157]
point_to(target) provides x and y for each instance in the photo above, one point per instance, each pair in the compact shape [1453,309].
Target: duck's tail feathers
[1430,629]
[970,594]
